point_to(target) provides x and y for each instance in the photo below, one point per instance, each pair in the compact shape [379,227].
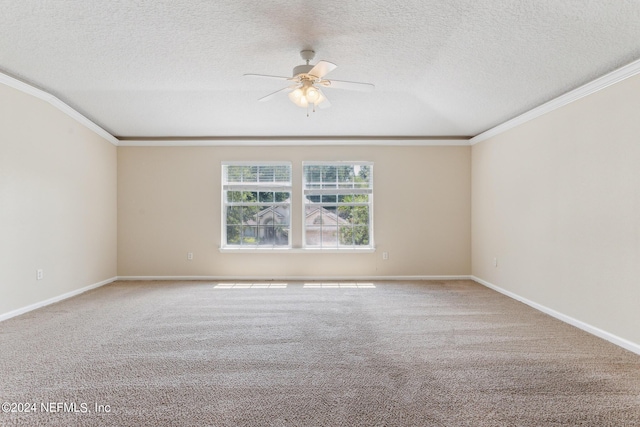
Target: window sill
[296,250]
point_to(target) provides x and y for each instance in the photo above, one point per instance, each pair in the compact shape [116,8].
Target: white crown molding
[57,103]
[58,298]
[596,85]
[621,342]
[293,141]
[293,278]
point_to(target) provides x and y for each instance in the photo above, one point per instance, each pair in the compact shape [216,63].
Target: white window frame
[345,191]
[254,186]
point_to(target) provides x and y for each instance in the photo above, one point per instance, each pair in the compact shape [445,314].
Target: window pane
[349,198]
[233,173]
[345,174]
[282,174]
[281,215]
[360,215]
[265,215]
[266,235]
[329,215]
[281,235]
[329,237]
[313,225]
[234,215]
[249,196]
[346,235]
[313,199]
[266,173]
[239,173]
[265,196]
[249,215]
[363,174]
[360,235]
[312,235]
[345,213]
[312,212]
[234,196]
[328,198]
[329,227]
[273,235]
[249,173]
[312,174]
[282,196]
[249,235]
[233,235]
[329,174]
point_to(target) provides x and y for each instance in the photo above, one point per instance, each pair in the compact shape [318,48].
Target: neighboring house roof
[315,215]
[278,211]
[319,215]
[280,214]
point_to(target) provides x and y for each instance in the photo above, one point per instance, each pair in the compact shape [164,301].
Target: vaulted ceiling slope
[174,68]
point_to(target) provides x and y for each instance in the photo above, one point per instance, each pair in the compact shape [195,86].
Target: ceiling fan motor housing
[302,69]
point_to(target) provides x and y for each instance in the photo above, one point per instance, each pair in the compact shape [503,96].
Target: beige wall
[57,203]
[557,201]
[169,204]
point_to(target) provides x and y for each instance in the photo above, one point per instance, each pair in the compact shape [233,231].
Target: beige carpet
[397,354]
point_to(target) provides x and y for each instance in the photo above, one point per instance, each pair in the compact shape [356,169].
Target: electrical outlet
[495,262]
[385,255]
[39,274]
[190,256]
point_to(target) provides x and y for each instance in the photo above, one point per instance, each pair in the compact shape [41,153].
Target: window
[256,205]
[338,205]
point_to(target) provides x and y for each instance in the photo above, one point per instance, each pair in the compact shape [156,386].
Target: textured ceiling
[173,68]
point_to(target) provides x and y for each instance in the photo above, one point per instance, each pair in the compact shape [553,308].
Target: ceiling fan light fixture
[306,94]
[307,82]
[297,93]
[297,97]
[313,95]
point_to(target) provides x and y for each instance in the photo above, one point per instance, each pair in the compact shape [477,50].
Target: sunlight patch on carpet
[339,285]
[250,286]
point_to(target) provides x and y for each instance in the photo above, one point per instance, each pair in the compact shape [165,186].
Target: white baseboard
[295,278]
[626,344]
[32,307]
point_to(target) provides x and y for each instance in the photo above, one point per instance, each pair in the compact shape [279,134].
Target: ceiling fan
[307,81]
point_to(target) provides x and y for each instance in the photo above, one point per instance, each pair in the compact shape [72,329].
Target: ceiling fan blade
[265,76]
[322,68]
[341,84]
[273,94]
